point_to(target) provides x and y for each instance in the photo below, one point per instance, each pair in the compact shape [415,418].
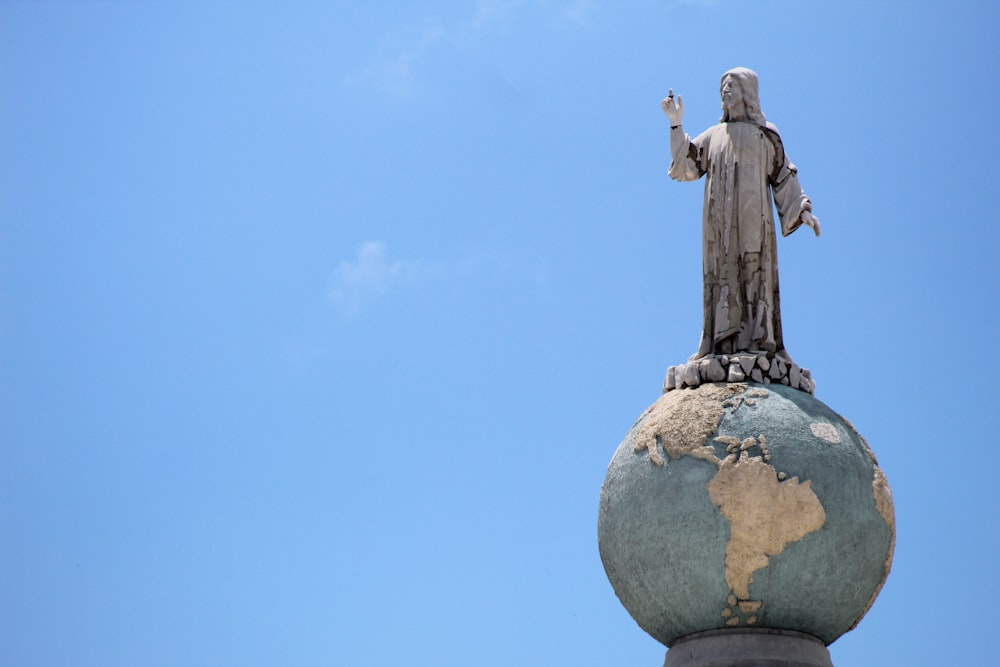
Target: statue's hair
[751,99]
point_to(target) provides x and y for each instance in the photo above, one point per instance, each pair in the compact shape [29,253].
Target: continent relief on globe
[766,509]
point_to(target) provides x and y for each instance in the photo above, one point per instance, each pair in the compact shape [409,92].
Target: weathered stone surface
[761,368]
[711,370]
[691,376]
[746,169]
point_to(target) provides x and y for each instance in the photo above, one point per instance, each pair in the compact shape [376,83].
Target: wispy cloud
[491,12]
[396,72]
[581,12]
[695,3]
[369,275]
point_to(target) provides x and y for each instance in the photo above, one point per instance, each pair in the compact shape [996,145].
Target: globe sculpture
[743,521]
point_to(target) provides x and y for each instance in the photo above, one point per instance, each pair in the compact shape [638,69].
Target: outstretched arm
[810,220]
[686,158]
[794,207]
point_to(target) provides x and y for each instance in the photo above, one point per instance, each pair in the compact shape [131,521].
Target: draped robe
[744,164]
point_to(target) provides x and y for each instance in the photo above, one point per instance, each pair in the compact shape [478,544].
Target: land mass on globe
[765,516]
[766,510]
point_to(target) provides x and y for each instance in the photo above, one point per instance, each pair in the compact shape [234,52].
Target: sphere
[745,505]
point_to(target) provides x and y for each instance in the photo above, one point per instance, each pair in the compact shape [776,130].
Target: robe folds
[745,169]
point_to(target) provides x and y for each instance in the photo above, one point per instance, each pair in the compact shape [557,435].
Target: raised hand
[674,110]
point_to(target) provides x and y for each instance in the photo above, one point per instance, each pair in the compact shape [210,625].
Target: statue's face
[732,92]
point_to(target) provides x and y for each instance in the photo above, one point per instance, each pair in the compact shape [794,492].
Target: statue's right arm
[685,155]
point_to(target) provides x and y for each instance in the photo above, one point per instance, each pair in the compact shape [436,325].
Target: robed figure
[745,169]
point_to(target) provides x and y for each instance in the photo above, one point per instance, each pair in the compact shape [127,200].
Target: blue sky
[320,321]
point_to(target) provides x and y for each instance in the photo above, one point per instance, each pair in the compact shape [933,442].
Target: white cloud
[396,73]
[696,3]
[580,12]
[490,12]
[369,275]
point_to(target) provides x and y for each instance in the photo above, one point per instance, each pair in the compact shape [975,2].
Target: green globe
[742,506]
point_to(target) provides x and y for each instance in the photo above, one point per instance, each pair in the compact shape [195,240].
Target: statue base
[761,647]
[762,368]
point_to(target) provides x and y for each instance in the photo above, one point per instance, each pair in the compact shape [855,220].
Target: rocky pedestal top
[760,368]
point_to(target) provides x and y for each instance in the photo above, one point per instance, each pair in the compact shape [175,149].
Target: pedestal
[748,648]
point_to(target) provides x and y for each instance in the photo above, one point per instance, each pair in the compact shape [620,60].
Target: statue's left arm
[794,207]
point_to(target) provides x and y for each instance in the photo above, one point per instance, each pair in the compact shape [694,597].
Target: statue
[742,521]
[745,166]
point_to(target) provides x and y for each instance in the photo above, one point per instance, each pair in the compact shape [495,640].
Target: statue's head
[740,100]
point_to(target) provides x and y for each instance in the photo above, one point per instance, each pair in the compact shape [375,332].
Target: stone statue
[745,166]
[742,521]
